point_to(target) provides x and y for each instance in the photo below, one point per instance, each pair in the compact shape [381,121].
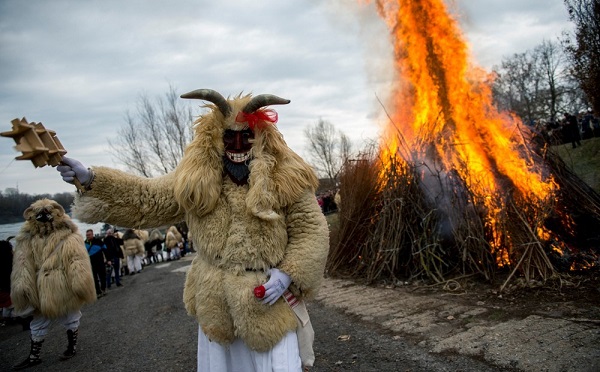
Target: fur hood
[155,234]
[130,234]
[278,176]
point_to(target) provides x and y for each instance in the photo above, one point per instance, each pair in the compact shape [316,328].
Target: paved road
[144,326]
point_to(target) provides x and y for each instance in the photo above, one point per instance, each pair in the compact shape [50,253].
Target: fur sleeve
[308,245]
[78,268]
[140,246]
[23,290]
[122,199]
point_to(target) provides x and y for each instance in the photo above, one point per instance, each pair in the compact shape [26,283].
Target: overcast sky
[79,66]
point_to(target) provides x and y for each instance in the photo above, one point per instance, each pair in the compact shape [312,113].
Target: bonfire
[456,188]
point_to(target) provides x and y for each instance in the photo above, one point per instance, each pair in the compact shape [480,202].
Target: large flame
[443,102]
[442,113]
[442,110]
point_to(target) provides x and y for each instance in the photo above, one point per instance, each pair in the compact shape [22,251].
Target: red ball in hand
[259,292]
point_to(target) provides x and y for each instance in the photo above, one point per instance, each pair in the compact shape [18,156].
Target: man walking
[114,254]
[96,249]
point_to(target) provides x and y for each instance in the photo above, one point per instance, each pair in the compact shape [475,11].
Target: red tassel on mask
[257,119]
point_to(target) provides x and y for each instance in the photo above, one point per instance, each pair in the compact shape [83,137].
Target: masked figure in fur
[249,202]
[52,275]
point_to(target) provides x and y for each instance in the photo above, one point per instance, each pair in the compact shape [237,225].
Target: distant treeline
[13,204]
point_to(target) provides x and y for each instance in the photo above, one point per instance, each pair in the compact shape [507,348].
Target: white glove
[277,284]
[71,169]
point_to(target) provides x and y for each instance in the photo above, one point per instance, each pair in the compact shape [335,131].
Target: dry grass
[584,161]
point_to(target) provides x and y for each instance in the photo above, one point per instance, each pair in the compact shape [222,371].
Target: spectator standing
[96,250]
[6,257]
[587,128]
[594,123]
[571,128]
[114,254]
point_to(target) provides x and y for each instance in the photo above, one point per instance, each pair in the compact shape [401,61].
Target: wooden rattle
[38,144]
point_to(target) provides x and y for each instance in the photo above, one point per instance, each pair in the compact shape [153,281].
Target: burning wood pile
[456,187]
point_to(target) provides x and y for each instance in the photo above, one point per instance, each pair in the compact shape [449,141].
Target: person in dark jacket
[96,249]
[6,263]
[571,128]
[6,257]
[114,254]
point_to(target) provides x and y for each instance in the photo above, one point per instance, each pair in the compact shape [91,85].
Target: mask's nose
[238,141]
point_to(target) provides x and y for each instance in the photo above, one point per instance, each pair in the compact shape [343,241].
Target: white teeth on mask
[238,157]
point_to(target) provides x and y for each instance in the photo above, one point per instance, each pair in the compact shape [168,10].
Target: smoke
[362,21]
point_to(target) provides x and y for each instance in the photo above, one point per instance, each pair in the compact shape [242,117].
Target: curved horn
[211,96]
[263,100]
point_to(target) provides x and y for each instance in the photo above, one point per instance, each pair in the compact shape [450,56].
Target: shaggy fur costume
[155,234]
[51,267]
[144,235]
[132,244]
[239,231]
[173,237]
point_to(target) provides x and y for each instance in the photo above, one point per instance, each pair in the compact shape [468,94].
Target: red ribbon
[257,119]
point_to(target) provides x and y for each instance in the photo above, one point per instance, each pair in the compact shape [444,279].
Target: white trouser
[134,263]
[40,324]
[237,357]
[7,312]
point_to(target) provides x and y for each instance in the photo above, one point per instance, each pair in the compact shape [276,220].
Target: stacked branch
[356,209]
[407,219]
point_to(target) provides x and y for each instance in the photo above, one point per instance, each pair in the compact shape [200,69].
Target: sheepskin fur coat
[51,267]
[132,244]
[239,232]
[155,234]
[173,237]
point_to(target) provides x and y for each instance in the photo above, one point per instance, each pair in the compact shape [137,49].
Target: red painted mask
[238,144]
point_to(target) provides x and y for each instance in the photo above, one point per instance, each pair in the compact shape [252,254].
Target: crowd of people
[127,253]
[571,128]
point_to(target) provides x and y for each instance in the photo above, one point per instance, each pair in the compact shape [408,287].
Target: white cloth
[40,324]
[7,312]
[134,263]
[237,357]
[305,333]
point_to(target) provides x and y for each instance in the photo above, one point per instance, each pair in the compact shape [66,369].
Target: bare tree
[328,148]
[518,86]
[536,84]
[583,47]
[152,141]
[551,63]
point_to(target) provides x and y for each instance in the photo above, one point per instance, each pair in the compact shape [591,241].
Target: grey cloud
[79,66]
